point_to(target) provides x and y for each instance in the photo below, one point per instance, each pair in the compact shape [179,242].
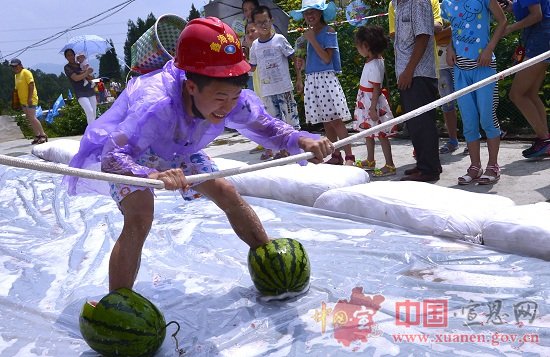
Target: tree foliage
[109,65]
[6,86]
[193,13]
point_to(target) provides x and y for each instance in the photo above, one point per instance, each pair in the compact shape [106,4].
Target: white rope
[338,23]
[71,171]
[137,181]
[374,129]
[445,99]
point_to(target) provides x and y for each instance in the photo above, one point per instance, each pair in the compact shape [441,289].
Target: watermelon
[279,268]
[123,323]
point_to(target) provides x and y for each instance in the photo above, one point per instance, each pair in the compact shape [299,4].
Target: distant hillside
[49,68]
[57,68]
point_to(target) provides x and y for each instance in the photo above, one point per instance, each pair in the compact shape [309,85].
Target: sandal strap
[495,168]
[389,170]
[473,174]
[492,178]
[366,164]
[474,168]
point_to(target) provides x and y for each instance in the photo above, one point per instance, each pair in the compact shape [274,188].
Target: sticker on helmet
[230,49]
[215,46]
[232,44]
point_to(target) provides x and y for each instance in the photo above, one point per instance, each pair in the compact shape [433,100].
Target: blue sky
[24,22]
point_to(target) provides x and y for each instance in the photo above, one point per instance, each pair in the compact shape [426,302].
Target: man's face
[263,24]
[16,69]
[215,100]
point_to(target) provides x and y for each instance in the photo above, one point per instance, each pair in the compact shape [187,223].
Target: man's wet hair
[260,10]
[202,81]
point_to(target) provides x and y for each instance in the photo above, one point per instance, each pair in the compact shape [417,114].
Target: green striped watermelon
[123,323]
[278,267]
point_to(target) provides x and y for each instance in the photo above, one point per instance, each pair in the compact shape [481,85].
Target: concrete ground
[524,181]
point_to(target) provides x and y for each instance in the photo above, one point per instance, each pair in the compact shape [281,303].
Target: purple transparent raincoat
[150,114]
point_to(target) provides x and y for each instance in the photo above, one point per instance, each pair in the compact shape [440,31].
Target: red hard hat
[210,47]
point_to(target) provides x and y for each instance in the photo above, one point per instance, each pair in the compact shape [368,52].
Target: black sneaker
[539,148]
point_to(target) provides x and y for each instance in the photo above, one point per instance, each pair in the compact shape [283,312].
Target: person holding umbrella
[84,94]
[88,45]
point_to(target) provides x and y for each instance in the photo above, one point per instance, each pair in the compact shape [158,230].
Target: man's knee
[139,222]
[225,194]
[138,211]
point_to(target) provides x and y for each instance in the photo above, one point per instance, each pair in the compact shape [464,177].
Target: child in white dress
[372,107]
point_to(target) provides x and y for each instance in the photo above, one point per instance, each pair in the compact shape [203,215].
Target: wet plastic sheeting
[55,251]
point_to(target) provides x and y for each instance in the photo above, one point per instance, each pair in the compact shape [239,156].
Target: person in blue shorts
[471,54]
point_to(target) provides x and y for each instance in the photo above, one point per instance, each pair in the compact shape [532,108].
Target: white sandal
[469,178]
[490,179]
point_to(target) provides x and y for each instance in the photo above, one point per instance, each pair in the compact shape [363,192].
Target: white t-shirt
[271,60]
[373,72]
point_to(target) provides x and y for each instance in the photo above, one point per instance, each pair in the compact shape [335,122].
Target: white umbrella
[230,10]
[87,44]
